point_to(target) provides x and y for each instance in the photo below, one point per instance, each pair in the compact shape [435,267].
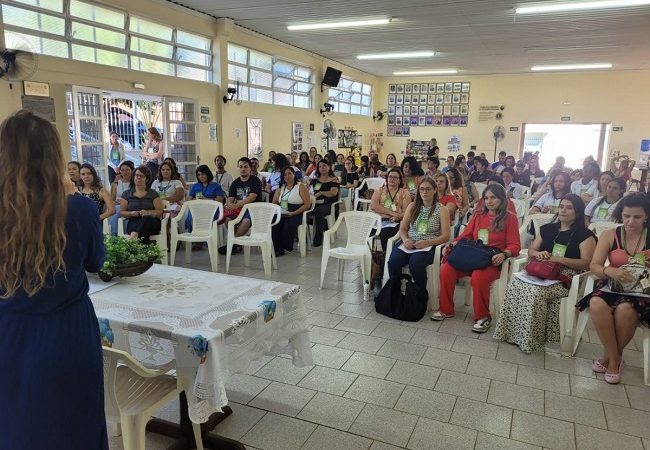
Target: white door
[91,138]
[181,135]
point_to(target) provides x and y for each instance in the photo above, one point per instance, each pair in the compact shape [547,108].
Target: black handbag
[468,255]
[411,305]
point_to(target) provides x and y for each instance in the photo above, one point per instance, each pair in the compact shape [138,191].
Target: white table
[205,325]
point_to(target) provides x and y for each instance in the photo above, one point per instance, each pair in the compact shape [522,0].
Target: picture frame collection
[427,105]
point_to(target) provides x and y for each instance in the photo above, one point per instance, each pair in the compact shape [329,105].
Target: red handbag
[546,270]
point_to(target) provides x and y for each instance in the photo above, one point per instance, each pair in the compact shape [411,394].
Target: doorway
[572,141]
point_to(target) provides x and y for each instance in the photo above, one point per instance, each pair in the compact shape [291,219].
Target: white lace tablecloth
[205,325]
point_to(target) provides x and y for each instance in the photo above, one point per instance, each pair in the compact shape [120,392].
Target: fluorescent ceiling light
[427,72]
[398,55]
[325,25]
[572,67]
[579,6]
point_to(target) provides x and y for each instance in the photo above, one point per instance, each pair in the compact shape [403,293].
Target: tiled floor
[380,384]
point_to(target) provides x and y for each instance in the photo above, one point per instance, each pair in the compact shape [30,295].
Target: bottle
[366,291]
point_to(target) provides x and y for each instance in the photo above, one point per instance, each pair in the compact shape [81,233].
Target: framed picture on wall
[447,99]
[399,99]
[455,98]
[391,120]
[457,87]
[408,88]
[406,131]
[432,88]
[422,121]
[462,121]
[429,121]
[416,88]
[398,131]
[464,87]
[406,120]
[464,110]
[454,121]
[399,89]
[407,99]
[440,99]
[423,88]
[449,87]
[437,121]
[438,111]
[391,110]
[392,88]
[431,110]
[398,120]
[391,99]
[446,121]
[446,110]
[422,110]
[464,98]
[390,131]
[414,121]
[407,109]
[455,110]
[423,99]
[431,99]
[414,99]
[440,88]
[398,110]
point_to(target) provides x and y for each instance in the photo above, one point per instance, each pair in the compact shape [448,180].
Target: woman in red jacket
[496,227]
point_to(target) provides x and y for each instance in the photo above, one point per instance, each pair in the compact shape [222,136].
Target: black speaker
[332,77]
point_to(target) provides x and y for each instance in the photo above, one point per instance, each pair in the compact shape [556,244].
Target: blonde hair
[32,205]
[448,189]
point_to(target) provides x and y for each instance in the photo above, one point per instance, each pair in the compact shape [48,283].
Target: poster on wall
[453,144]
[254,137]
[297,133]
[423,105]
[644,153]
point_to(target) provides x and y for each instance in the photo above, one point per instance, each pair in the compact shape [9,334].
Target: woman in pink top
[497,227]
[617,315]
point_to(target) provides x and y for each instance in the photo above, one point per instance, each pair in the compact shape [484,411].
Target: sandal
[615,378]
[438,316]
[598,366]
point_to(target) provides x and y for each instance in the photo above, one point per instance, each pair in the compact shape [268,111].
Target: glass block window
[353,97]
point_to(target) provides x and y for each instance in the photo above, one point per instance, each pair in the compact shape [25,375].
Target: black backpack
[410,305]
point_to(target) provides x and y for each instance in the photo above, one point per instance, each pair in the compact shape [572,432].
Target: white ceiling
[474,36]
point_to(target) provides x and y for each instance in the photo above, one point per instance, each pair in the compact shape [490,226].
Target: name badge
[483,235]
[553,209]
[422,226]
[284,204]
[559,250]
[388,203]
[602,213]
[317,186]
[199,195]
[639,258]
[411,185]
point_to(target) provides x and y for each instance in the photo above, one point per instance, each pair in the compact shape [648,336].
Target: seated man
[243,190]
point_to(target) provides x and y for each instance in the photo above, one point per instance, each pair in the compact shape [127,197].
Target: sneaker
[222,250]
[236,249]
[482,325]
[438,316]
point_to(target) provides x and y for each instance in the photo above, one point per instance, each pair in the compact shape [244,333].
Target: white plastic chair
[133,393]
[599,227]
[204,229]
[263,217]
[359,224]
[304,227]
[106,226]
[537,220]
[370,183]
[521,207]
[525,192]
[480,187]
[160,239]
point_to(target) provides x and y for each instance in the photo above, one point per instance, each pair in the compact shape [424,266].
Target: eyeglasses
[425,189]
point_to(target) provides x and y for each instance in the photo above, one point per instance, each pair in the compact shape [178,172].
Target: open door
[90,137]
[181,135]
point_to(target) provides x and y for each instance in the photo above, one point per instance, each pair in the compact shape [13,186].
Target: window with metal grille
[86,31]
[353,97]
[264,78]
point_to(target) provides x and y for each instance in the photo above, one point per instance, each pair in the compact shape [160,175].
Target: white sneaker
[482,325]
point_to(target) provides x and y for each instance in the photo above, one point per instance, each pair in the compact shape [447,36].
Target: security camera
[232,90]
[327,108]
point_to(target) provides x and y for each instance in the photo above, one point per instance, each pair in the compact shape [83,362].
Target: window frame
[350,92]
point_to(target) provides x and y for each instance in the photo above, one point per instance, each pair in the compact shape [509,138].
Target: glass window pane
[303,87]
[97,14]
[284,68]
[193,40]
[100,56]
[344,107]
[93,154]
[193,73]
[365,100]
[237,73]
[151,47]
[355,109]
[152,66]
[281,98]
[40,45]
[261,95]
[345,96]
[182,132]
[183,152]
[356,98]
[99,35]
[283,83]
[261,78]
[365,110]
[237,54]
[147,28]
[181,112]
[303,73]
[52,5]
[261,60]
[301,101]
[367,89]
[356,86]
[188,171]
[33,20]
[192,57]
[344,83]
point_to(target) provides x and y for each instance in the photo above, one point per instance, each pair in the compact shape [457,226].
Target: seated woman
[293,198]
[176,175]
[496,227]
[603,181]
[447,198]
[205,188]
[168,187]
[90,187]
[303,162]
[122,183]
[495,179]
[142,206]
[549,202]
[349,178]
[425,224]
[530,315]
[459,189]
[326,190]
[73,171]
[601,209]
[312,170]
[412,173]
[390,202]
[616,315]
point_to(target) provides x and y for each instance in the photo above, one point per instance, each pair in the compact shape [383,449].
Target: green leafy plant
[121,251]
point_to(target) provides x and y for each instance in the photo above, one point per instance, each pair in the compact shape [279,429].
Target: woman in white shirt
[513,190]
[550,202]
[168,188]
[601,209]
[587,187]
[293,198]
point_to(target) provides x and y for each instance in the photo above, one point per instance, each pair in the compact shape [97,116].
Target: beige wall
[620,98]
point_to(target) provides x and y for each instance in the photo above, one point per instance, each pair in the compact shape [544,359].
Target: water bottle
[366,291]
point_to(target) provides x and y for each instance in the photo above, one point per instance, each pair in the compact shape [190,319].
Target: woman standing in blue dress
[51,370]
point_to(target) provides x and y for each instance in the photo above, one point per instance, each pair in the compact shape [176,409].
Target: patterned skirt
[641,304]
[530,314]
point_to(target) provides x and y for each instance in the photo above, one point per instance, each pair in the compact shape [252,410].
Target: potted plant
[127,257]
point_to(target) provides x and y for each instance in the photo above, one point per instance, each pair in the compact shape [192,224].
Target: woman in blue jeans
[425,225]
